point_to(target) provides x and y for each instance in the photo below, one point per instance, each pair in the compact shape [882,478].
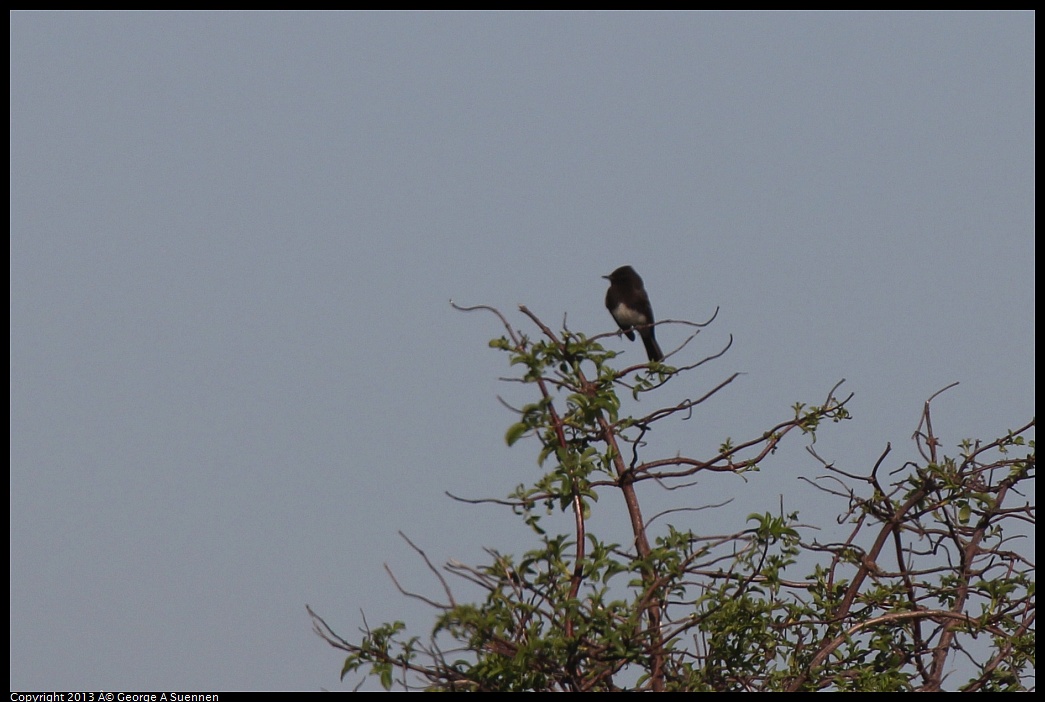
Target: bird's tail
[652,347]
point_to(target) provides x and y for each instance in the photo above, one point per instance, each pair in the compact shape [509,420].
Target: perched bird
[629,304]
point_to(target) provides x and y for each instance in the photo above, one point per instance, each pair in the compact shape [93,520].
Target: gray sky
[235,374]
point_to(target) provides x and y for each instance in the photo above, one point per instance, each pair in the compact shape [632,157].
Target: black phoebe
[629,304]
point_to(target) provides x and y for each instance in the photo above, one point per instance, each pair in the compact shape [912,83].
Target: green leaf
[515,432]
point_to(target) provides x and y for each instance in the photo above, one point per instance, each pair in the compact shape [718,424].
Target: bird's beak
[606,277]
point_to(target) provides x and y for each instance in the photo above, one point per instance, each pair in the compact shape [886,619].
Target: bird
[629,304]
